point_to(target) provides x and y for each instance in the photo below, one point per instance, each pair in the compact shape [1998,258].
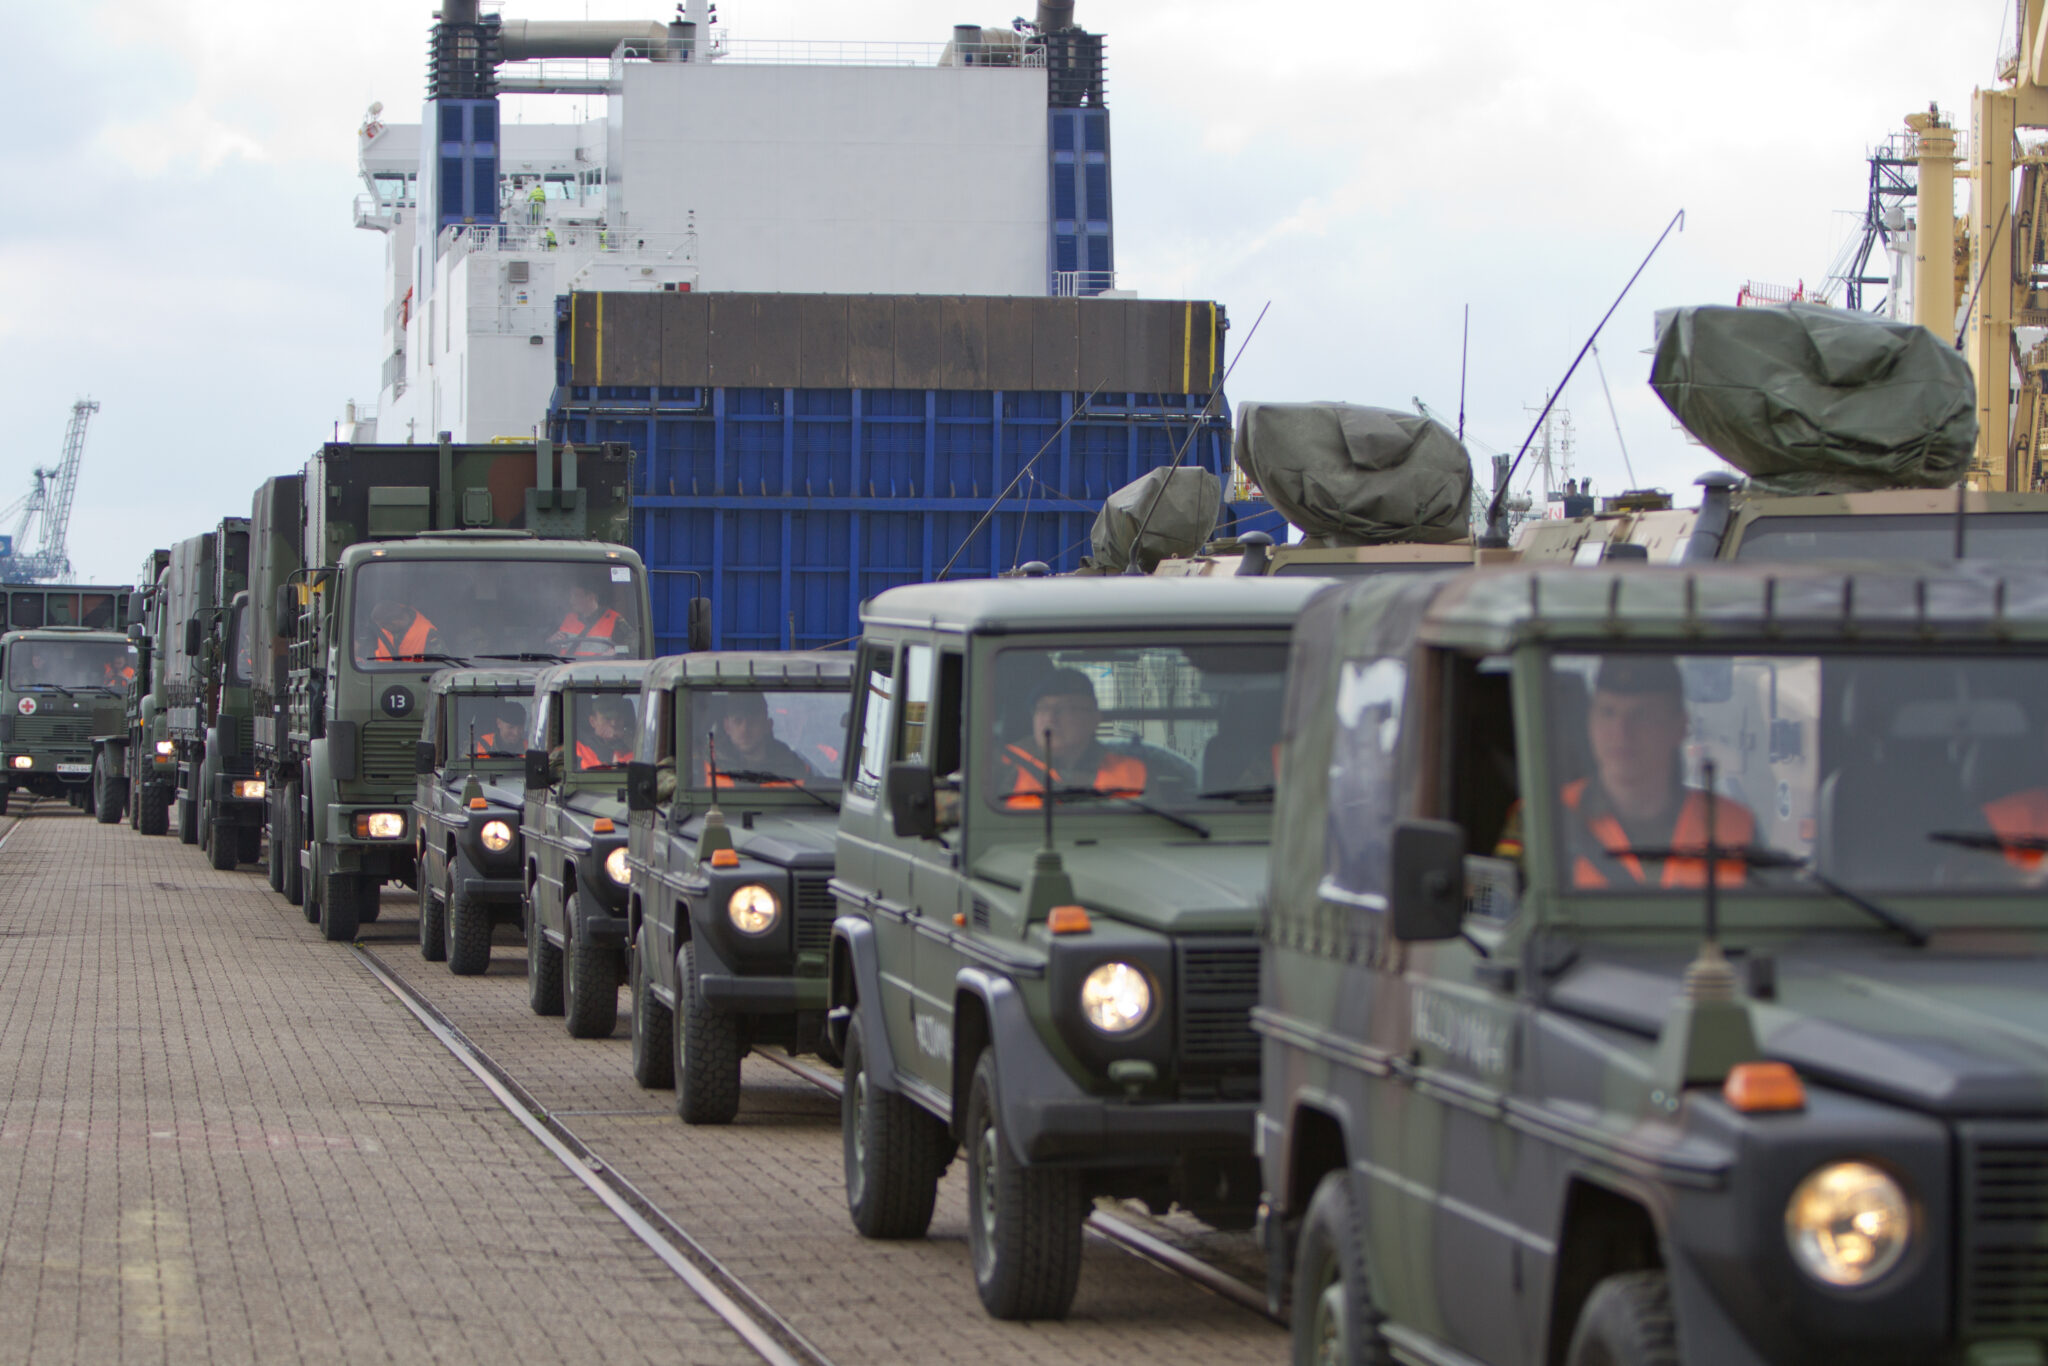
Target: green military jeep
[59,687]
[467,806]
[735,799]
[1540,1088]
[585,724]
[1051,846]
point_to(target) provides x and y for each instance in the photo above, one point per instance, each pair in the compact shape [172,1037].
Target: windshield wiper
[1763,856]
[1185,822]
[1914,932]
[1990,844]
[782,783]
[425,659]
[531,656]
[1238,794]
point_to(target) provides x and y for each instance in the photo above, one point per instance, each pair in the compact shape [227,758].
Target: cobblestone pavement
[765,1196]
[221,1140]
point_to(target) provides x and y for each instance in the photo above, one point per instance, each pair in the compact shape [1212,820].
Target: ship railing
[600,74]
[572,239]
[1081,284]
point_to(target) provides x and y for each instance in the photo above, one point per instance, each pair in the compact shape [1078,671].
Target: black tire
[5,794]
[1023,1223]
[202,818]
[654,1063]
[590,981]
[707,1048]
[1334,1321]
[1626,1322]
[224,847]
[106,797]
[893,1151]
[152,809]
[543,966]
[372,904]
[188,818]
[341,906]
[433,924]
[249,843]
[469,930]
[275,857]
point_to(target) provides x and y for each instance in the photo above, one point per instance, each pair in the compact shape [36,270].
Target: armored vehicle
[1051,845]
[585,724]
[734,803]
[1540,1087]
[411,559]
[466,808]
[135,764]
[59,686]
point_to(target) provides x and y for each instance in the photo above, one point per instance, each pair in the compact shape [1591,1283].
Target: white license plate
[73,770]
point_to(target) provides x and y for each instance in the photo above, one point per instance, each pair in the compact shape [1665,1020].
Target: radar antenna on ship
[49,499]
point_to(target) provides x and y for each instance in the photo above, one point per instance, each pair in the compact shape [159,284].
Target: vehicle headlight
[1116,997]
[24,761]
[380,825]
[496,835]
[250,788]
[1848,1223]
[615,866]
[752,909]
[167,748]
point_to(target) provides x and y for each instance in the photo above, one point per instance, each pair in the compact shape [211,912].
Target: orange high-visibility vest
[1733,826]
[413,646]
[2023,815]
[1119,775]
[601,629]
[586,758]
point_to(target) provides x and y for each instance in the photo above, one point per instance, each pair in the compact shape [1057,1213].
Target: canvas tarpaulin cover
[1357,475]
[1808,399]
[1189,501]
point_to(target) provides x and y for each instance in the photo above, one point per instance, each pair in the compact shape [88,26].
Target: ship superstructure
[973,166]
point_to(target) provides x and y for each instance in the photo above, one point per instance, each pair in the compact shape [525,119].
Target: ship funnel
[1054,15]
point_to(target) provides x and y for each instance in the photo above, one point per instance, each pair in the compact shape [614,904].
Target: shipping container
[788,499]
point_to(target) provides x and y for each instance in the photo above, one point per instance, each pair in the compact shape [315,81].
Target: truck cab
[1649,968]
[59,687]
[734,798]
[1051,843]
[467,803]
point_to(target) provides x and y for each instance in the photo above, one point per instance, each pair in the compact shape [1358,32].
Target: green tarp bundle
[1808,399]
[1356,475]
[1188,503]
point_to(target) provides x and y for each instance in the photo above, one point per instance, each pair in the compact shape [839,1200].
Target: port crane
[49,499]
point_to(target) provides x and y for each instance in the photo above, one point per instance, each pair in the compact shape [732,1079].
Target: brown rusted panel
[919,342]
[778,341]
[963,328]
[1102,345]
[632,339]
[732,340]
[871,341]
[1056,345]
[1010,325]
[1148,343]
[685,340]
[825,360]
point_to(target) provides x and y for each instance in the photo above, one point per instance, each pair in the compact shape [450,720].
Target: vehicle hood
[505,791]
[1947,1033]
[587,806]
[1193,886]
[792,841]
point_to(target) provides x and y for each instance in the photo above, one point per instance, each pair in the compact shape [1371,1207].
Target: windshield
[764,737]
[1168,724]
[1903,773]
[486,727]
[69,664]
[481,611]
[1897,536]
[241,657]
[605,728]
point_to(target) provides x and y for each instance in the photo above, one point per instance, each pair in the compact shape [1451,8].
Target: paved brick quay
[222,1139]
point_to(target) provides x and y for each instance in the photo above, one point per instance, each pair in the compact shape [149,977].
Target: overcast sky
[178,243]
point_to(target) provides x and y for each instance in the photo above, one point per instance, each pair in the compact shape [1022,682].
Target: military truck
[467,807]
[135,764]
[276,525]
[98,607]
[1059,980]
[1579,1050]
[585,724]
[734,800]
[59,686]
[411,559]
[206,657]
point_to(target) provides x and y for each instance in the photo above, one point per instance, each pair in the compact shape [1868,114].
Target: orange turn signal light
[1758,1087]
[603,825]
[477,804]
[1069,920]
[959,917]
[725,858]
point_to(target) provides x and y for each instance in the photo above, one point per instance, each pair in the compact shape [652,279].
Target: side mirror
[1428,892]
[640,786]
[913,800]
[193,635]
[135,632]
[423,757]
[537,768]
[700,624]
[136,607]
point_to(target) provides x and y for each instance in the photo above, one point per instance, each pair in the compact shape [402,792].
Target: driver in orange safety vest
[402,632]
[588,619]
[608,734]
[747,743]
[1636,797]
[1064,719]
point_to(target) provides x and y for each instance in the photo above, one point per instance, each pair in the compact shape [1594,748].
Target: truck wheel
[543,965]
[469,930]
[590,981]
[248,843]
[202,822]
[341,906]
[654,1063]
[274,813]
[433,926]
[372,904]
[224,846]
[1627,1322]
[1023,1223]
[152,809]
[294,872]
[707,1048]
[1334,1321]
[106,797]
[894,1152]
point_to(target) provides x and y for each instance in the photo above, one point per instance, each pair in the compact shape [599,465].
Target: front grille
[813,912]
[38,731]
[388,751]
[245,736]
[1219,985]
[2005,1229]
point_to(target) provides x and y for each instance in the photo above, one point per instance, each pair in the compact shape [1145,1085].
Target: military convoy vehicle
[59,686]
[98,607]
[1058,980]
[585,723]
[206,658]
[411,559]
[135,764]
[734,804]
[467,806]
[1541,1088]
